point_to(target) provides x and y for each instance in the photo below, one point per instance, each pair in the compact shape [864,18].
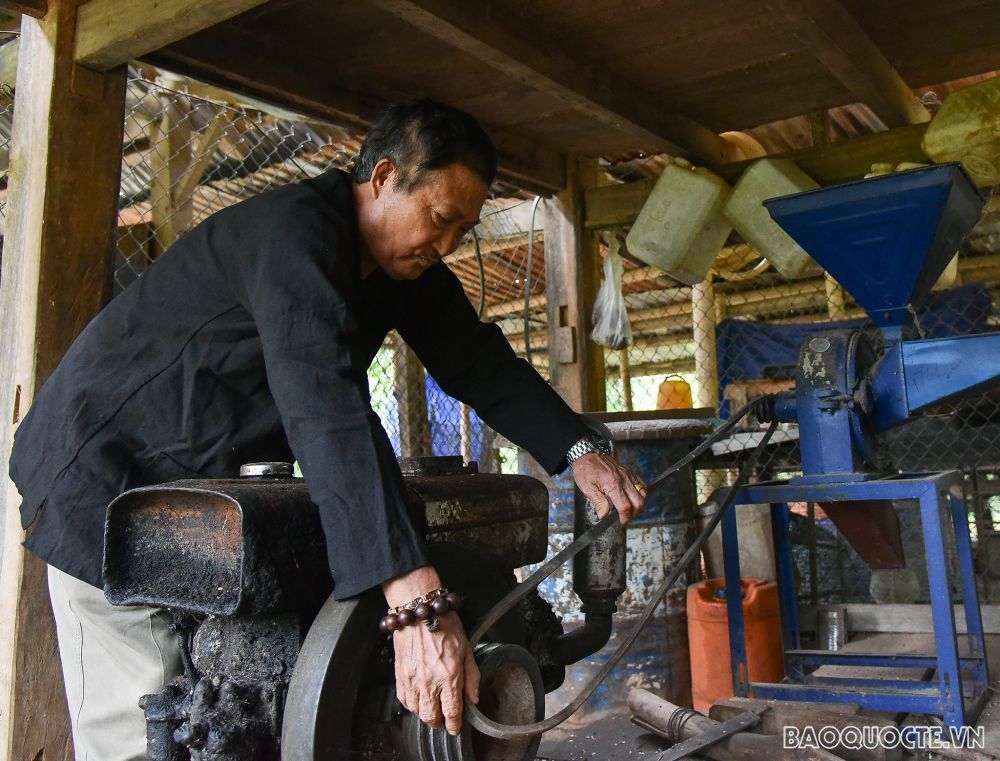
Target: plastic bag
[611,326]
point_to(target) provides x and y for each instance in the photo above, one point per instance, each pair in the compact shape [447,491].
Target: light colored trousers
[111,657]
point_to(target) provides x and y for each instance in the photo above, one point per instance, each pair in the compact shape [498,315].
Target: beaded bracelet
[425,608]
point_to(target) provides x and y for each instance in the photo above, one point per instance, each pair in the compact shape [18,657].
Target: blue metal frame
[946,697]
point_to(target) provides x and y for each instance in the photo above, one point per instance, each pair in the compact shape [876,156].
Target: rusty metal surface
[871,527]
[216,547]
[242,565]
[228,703]
[504,516]
[248,648]
[220,547]
[598,571]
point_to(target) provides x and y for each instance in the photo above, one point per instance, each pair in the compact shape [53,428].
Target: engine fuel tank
[255,544]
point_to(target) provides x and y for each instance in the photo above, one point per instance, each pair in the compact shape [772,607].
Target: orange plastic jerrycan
[708,634]
[674,394]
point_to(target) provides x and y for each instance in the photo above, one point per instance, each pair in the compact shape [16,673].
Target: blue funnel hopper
[885,239]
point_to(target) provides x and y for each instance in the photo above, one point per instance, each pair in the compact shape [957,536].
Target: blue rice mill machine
[886,240]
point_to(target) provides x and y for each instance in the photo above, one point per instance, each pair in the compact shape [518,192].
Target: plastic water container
[769,178]
[966,130]
[680,228]
[708,635]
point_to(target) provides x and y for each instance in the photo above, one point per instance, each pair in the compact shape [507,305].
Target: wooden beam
[65,166]
[522,162]
[617,205]
[585,86]
[572,277]
[836,39]
[169,159]
[33,8]
[113,32]
[201,156]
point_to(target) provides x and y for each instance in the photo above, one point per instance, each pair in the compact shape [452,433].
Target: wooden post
[65,166]
[170,158]
[625,374]
[410,390]
[465,431]
[836,298]
[572,277]
[703,318]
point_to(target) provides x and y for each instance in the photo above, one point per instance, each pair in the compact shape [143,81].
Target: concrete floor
[611,736]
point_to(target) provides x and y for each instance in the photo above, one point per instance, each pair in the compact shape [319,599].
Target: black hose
[482,274]
[527,279]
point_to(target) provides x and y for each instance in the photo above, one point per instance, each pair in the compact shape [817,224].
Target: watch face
[601,445]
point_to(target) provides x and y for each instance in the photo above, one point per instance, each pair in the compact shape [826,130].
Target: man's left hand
[607,483]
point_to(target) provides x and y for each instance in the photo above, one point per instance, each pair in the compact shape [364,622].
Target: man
[249,340]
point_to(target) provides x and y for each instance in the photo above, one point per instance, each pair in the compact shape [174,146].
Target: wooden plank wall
[65,163]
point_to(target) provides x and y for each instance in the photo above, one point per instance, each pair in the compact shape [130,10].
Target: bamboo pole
[836,298]
[626,376]
[704,324]
[465,432]
[704,318]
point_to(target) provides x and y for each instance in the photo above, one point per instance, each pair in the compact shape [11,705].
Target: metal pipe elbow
[574,646]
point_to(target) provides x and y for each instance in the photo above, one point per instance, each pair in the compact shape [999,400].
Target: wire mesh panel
[188,154]
[6,128]
[737,335]
[723,342]
[504,278]
[187,157]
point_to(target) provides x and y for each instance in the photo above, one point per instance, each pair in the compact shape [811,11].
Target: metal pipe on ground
[676,724]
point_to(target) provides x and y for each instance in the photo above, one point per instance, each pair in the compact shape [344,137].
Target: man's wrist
[589,444]
[408,586]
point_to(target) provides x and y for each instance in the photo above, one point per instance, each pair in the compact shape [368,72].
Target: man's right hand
[434,669]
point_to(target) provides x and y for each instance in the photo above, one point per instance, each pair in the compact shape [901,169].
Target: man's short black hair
[422,135]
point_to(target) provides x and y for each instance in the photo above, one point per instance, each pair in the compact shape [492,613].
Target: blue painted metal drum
[648,443]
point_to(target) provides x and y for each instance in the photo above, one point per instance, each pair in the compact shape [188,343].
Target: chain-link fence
[737,335]
[6,127]
[6,115]
[717,344]
[187,156]
[190,151]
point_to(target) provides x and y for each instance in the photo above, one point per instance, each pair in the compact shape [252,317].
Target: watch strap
[589,444]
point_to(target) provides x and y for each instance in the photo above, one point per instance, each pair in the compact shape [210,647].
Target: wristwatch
[588,444]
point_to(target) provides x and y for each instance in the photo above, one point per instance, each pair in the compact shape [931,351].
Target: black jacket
[249,340]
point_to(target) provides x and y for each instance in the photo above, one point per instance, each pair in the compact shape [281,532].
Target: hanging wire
[482,273]
[527,280]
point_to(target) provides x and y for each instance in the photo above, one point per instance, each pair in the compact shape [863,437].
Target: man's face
[417,229]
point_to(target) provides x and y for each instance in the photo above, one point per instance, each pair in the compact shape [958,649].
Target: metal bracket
[719,732]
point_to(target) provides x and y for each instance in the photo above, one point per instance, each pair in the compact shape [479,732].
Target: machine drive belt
[509,731]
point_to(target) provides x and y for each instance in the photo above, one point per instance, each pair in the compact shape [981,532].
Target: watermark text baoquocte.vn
[874,737]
